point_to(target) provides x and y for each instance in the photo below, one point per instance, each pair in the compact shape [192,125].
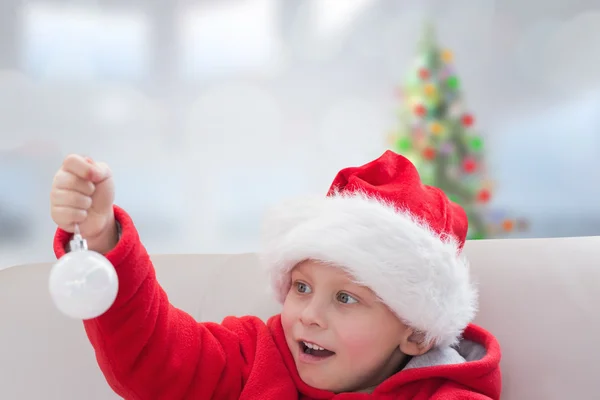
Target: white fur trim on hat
[421,277]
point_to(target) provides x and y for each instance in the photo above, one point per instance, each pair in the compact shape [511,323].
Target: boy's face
[359,341]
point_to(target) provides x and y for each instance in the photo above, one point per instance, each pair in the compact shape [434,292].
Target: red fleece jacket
[148,349]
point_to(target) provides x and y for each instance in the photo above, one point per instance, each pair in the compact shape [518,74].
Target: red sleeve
[453,391]
[148,349]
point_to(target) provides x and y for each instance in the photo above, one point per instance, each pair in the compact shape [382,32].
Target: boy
[375,296]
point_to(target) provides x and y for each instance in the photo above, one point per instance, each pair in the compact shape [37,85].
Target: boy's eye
[302,287]
[346,298]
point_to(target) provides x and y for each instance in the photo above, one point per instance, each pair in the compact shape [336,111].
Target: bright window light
[219,39]
[67,41]
[332,17]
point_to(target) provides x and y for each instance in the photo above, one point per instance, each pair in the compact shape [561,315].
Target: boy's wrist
[106,240]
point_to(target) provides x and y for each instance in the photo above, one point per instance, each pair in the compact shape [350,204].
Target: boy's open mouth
[314,350]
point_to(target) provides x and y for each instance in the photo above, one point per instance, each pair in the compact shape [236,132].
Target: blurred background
[209,111]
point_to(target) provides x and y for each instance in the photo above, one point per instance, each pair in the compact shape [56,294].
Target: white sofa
[539,296]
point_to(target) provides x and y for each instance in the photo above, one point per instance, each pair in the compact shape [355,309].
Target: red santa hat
[392,234]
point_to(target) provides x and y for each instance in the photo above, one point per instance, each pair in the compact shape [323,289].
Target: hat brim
[420,275]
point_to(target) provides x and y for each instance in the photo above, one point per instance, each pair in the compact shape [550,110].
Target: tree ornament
[452,82]
[476,143]
[447,148]
[469,165]
[429,90]
[429,153]
[436,128]
[447,56]
[508,225]
[467,120]
[83,284]
[484,196]
[404,144]
[420,110]
[424,74]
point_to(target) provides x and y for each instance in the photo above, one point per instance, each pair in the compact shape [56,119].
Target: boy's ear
[413,343]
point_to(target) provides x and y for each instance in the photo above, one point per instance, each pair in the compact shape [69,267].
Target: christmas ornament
[467,120]
[508,225]
[452,82]
[404,144]
[429,90]
[429,153]
[436,128]
[447,56]
[476,143]
[83,284]
[447,148]
[483,196]
[469,165]
[420,110]
[424,73]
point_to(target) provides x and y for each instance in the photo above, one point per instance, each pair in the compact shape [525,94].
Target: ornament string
[78,243]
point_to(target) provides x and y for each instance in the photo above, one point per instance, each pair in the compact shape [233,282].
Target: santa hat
[392,234]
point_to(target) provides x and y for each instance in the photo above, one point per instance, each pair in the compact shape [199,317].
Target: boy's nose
[313,314]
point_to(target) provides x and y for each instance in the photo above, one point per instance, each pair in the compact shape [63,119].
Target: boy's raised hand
[83,193]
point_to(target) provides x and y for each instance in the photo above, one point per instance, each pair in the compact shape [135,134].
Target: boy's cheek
[355,338]
[287,316]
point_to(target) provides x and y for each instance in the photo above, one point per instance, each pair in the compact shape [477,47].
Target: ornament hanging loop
[78,243]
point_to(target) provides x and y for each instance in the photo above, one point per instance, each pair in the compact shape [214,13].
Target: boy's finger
[103,172]
[69,198]
[78,166]
[85,168]
[69,181]
[66,216]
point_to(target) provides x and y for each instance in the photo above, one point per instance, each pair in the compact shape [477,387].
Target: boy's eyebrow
[358,289]
[298,272]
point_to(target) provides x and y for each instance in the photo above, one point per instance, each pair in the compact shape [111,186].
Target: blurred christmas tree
[436,132]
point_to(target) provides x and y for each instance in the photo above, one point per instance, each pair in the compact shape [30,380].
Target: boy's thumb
[101,172]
